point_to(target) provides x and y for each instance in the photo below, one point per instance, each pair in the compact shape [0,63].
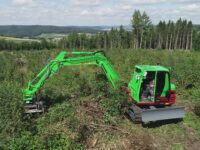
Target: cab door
[135,85]
[162,84]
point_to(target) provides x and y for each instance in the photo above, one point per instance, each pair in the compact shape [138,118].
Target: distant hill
[35,30]
[197,27]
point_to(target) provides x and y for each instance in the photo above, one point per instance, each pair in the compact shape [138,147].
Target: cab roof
[152,68]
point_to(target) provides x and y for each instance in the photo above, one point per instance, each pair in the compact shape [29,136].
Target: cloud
[191,7]
[142,2]
[84,13]
[102,12]
[87,2]
[94,12]
[23,2]
[157,2]
[126,7]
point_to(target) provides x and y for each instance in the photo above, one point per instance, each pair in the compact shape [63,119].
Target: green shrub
[114,102]
[197,108]
[55,141]
[58,113]
[60,142]
[25,141]
[11,108]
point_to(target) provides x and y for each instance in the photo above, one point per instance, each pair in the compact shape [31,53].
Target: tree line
[166,35]
[33,31]
[170,35]
[26,45]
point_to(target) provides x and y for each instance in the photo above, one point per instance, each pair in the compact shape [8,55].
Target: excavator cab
[150,85]
[151,91]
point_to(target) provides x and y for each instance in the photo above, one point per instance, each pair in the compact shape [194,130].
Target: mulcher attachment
[34,107]
[152,113]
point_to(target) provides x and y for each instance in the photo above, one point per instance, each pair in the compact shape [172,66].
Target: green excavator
[150,91]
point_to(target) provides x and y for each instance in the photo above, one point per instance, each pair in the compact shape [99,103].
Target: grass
[193,121]
[177,146]
[17,39]
[51,35]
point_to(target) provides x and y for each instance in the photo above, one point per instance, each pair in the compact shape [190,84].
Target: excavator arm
[70,59]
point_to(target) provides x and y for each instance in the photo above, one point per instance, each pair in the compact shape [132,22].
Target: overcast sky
[94,12]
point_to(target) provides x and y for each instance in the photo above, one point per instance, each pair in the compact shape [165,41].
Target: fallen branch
[106,127]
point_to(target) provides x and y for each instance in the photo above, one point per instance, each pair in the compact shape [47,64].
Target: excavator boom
[68,59]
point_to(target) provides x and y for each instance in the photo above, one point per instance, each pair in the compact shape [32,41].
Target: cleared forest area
[85,112]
